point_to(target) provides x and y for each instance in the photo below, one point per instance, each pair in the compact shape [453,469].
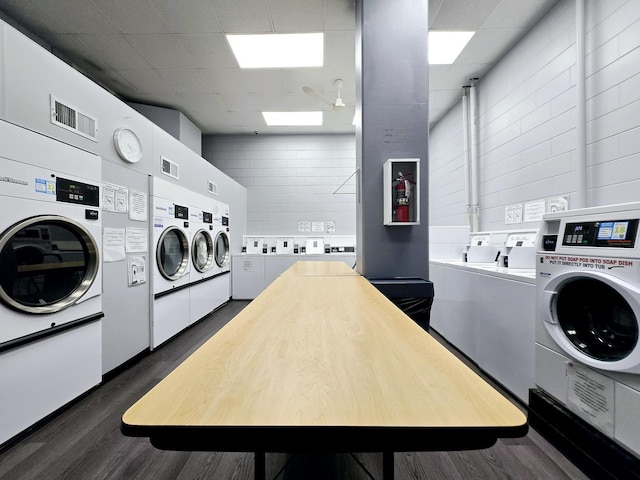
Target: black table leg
[259,465]
[387,465]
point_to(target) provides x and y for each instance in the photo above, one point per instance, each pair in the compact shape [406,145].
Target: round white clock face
[128,145]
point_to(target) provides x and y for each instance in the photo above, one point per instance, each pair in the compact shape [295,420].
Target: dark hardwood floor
[84,441]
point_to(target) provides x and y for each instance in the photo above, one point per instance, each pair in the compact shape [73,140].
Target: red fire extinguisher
[403,193]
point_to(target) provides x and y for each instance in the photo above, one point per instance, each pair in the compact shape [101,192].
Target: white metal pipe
[581,108]
[475,180]
[465,151]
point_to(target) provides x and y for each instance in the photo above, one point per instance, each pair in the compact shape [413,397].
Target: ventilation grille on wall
[170,168]
[71,119]
[213,188]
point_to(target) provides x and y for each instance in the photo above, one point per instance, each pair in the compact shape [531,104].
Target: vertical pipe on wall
[475,182]
[581,108]
[465,152]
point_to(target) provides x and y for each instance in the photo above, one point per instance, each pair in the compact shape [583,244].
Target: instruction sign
[590,396]
[587,263]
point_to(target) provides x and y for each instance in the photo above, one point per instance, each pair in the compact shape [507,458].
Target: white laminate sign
[137,270]
[113,244]
[137,240]
[590,396]
[138,206]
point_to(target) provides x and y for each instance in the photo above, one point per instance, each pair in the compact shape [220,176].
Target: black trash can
[413,295]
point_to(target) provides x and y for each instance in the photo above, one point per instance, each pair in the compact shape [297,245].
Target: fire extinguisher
[403,193]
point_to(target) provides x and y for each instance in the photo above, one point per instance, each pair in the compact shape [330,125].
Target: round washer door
[202,251]
[221,249]
[172,253]
[47,263]
[594,318]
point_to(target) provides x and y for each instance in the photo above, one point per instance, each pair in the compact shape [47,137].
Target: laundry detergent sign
[591,263]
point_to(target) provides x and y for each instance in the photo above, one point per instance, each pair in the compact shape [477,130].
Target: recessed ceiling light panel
[275,50]
[291,119]
[444,47]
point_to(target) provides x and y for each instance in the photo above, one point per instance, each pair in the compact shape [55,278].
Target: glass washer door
[221,254]
[597,320]
[202,251]
[172,253]
[47,263]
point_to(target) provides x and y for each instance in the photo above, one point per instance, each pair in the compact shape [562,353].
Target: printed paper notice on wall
[558,204]
[317,227]
[136,270]
[533,211]
[138,206]
[304,226]
[113,244]
[331,226]
[513,214]
[590,396]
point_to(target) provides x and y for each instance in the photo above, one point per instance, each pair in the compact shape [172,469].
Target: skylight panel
[275,50]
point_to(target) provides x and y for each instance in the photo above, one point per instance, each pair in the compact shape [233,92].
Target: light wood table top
[322,357]
[319,268]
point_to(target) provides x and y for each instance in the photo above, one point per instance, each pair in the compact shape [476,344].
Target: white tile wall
[527,117]
[290,179]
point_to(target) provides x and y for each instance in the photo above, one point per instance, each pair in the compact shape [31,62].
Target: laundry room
[153,211]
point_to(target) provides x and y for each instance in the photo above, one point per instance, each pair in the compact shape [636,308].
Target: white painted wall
[290,178]
[527,118]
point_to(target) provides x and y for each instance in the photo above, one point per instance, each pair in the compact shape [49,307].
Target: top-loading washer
[171,258]
[50,276]
[588,315]
[201,293]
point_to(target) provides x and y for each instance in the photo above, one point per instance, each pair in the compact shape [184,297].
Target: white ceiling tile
[137,16]
[113,50]
[70,16]
[194,16]
[340,15]
[186,80]
[243,16]
[462,14]
[517,13]
[208,51]
[296,78]
[161,51]
[146,80]
[292,16]
[248,81]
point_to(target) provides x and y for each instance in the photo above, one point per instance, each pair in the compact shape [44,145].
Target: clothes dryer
[50,251]
[221,254]
[50,276]
[172,265]
[588,316]
[201,295]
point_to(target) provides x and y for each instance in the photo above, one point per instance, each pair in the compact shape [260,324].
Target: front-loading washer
[50,276]
[201,291]
[588,316]
[171,244]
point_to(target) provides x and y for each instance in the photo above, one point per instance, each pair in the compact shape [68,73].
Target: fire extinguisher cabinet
[401,189]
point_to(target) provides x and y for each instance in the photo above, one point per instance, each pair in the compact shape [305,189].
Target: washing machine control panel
[72,191]
[608,233]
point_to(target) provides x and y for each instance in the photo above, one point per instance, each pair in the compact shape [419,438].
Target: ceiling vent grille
[70,118]
[213,188]
[170,168]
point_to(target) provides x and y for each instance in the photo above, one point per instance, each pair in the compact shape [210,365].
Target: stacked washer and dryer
[588,326]
[50,276]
